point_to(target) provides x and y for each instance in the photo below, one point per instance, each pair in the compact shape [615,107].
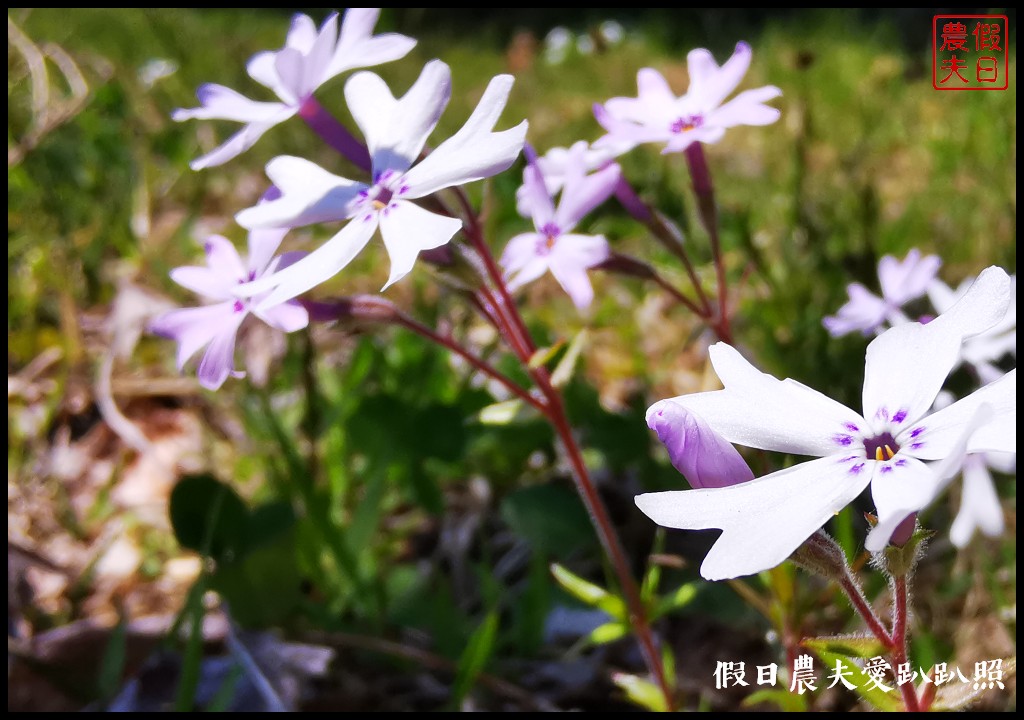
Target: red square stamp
[969,52]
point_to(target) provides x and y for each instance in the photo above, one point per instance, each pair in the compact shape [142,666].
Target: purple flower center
[239,306]
[387,186]
[881,447]
[687,123]
[546,244]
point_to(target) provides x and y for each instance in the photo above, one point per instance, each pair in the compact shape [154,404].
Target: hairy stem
[860,604]
[899,640]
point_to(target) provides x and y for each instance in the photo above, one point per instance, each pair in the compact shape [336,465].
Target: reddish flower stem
[899,640]
[708,211]
[860,604]
[334,133]
[452,345]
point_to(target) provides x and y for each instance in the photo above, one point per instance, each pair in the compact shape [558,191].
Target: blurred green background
[368,495]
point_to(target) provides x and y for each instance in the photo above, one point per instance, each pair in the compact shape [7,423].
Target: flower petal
[193,328]
[574,280]
[358,47]
[713,88]
[263,243]
[288,316]
[521,250]
[301,33]
[309,194]
[232,147]
[407,229]
[222,103]
[906,365]
[864,312]
[904,281]
[535,198]
[219,359]
[979,504]
[581,193]
[757,410]
[262,67]
[654,101]
[397,130]
[290,66]
[763,520]
[899,489]
[703,456]
[319,266]
[318,58]
[747,108]
[475,151]
[934,436]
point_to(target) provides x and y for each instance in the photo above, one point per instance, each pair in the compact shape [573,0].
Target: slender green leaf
[641,692]
[590,593]
[475,658]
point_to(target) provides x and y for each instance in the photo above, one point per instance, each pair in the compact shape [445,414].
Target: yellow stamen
[878,454]
[889,452]
[378,205]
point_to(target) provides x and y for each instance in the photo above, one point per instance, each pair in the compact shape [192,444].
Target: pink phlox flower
[553,246]
[982,351]
[308,59]
[554,164]
[396,132]
[901,282]
[215,326]
[701,115]
[887,447]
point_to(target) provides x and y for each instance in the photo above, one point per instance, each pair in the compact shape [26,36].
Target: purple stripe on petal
[844,440]
[900,416]
[851,427]
[855,470]
[887,468]
[917,431]
[916,446]
[901,462]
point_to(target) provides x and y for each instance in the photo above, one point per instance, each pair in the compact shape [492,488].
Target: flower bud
[703,456]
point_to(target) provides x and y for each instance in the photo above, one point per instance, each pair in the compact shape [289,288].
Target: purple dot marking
[901,462]
[848,459]
[855,470]
[916,446]
[238,307]
[887,468]
[900,416]
[843,440]
[917,431]
[851,427]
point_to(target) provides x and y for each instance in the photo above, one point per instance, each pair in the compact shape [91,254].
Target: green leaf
[112,663]
[542,356]
[550,517]
[851,646]
[475,657]
[590,593]
[506,412]
[609,632]
[886,701]
[567,365]
[209,517]
[641,692]
[682,596]
[786,701]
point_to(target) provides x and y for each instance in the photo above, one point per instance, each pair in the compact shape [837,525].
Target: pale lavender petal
[574,281]
[909,279]
[357,47]
[521,250]
[475,151]
[680,141]
[727,78]
[760,411]
[396,131]
[309,195]
[655,100]
[193,328]
[222,103]
[301,34]
[535,197]
[907,365]
[318,267]
[582,251]
[288,316]
[219,359]
[582,194]
[262,67]
[979,504]
[703,456]
[622,133]
[204,281]
[703,72]
[864,312]
[407,229]
[933,437]
[764,520]
[290,66]
[222,258]
[318,57]
[233,146]
[747,108]
[263,243]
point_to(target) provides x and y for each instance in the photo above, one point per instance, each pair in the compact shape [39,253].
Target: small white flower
[766,519]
